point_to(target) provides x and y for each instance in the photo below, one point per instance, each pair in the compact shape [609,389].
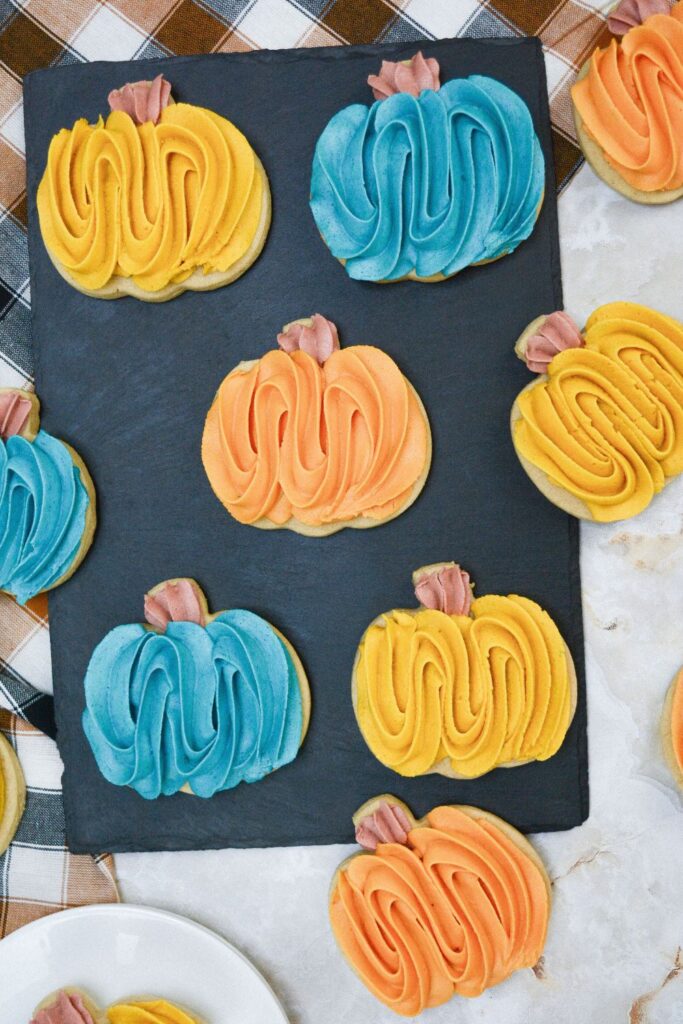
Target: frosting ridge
[455,911]
[289,438]
[474,692]
[630,103]
[607,424]
[407,184]
[43,508]
[152,202]
[208,707]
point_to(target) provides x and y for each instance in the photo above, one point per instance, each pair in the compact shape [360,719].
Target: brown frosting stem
[15,410]
[143,101]
[557,333]
[318,337]
[174,601]
[389,823]
[445,589]
[410,76]
[630,13]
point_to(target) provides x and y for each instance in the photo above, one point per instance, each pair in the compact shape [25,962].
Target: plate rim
[143,910]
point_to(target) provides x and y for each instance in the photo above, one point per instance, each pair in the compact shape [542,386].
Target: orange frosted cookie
[627,103]
[448,905]
[314,438]
[672,728]
[462,686]
[600,432]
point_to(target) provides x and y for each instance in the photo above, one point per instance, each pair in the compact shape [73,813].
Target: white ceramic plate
[117,951]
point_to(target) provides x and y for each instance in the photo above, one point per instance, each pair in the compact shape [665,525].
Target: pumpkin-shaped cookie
[159,198]
[600,432]
[47,501]
[192,701]
[73,1006]
[430,178]
[448,905]
[313,438]
[672,728]
[12,793]
[461,686]
[627,103]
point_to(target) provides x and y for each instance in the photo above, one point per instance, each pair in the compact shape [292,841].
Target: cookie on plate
[600,432]
[627,107]
[193,701]
[73,1006]
[12,793]
[448,905]
[47,501]
[157,199]
[314,438]
[430,178]
[672,728]
[460,686]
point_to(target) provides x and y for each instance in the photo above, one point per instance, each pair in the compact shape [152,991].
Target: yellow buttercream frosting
[151,202]
[476,691]
[606,424]
[152,1011]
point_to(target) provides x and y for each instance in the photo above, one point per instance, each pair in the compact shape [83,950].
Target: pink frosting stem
[143,101]
[389,823]
[630,13]
[410,76]
[557,333]
[68,1008]
[15,409]
[445,589]
[174,601]
[317,336]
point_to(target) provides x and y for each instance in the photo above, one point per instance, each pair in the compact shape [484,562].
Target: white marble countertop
[615,947]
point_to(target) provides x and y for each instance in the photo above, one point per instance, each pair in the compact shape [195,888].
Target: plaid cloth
[38,875]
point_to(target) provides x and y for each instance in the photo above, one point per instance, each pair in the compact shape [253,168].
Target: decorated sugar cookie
[600,432]
[12,793]
[313,438]
[627,105]
[672,728]
[460,686]
[73,1006]
[47,501]
[158,198]
[449,905]
[430,178]
[192,701]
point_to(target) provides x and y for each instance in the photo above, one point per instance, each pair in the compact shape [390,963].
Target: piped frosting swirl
[607,424]
[151,202]
[203,707]
[428,184]
[290,439]
[455,911]
[43,509]
[630,103]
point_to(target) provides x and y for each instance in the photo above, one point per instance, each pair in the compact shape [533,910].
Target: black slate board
[129,384]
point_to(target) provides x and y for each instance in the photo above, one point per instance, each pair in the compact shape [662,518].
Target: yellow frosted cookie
[156,199]
[460,686]
[600,432]
[12,793]
[448,905]
[672,728]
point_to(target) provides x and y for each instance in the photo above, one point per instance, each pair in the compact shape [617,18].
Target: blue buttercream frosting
[429,184]
[43,508]
[211,707]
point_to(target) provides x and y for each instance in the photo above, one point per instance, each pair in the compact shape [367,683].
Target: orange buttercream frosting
[631,102]
[287,438]
[455,911]
[677,722]
[606,424]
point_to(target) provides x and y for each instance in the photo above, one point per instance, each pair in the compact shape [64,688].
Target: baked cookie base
[119,287]
[15,793]
[595,156]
